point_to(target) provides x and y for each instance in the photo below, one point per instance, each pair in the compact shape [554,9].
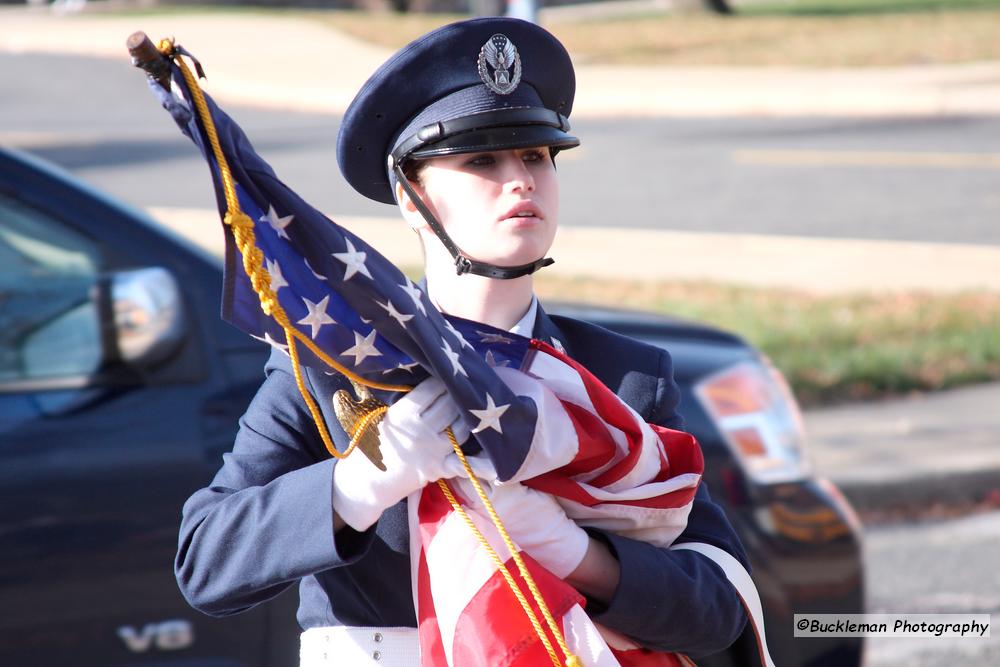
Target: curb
[958,490]
[921,455]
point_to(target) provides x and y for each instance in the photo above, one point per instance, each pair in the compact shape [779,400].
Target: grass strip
[831,348]
[764,37]
[857,7]
[797,33]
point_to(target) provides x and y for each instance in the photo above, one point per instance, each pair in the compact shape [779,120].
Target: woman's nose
[517,176]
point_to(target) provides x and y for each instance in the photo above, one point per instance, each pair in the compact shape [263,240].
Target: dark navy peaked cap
[482,84]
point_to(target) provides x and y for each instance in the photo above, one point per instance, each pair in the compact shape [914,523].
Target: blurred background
[820,178]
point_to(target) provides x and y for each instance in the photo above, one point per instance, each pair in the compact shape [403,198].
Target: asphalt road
[933,179]
[934,567]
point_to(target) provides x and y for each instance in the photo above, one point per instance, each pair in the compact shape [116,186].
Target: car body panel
[94,476]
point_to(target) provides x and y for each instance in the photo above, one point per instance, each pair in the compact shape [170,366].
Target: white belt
[351,646]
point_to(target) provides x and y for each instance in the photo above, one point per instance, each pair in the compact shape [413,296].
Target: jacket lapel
[547,331]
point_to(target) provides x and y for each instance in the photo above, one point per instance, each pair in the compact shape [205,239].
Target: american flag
[622,474]
[614,471]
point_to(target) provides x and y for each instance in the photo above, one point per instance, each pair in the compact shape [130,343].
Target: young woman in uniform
[460,130]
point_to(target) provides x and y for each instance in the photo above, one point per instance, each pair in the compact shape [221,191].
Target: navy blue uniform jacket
[266,520]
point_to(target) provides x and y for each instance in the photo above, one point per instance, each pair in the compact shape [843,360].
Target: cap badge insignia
[499,54]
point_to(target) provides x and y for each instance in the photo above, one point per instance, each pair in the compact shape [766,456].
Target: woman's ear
[403,199]
[408,209]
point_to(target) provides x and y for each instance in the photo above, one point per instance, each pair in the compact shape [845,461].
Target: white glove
[415,451]
[536,523]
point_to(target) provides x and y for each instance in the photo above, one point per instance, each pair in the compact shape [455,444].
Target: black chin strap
[464,264]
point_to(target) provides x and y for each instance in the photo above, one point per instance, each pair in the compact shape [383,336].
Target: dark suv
[120,388]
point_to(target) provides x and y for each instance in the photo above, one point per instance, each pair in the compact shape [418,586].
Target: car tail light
[759,418]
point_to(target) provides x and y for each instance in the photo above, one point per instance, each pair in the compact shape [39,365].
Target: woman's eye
[481,161]
[533,156]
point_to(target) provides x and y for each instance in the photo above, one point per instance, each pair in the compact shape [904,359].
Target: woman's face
[500,207]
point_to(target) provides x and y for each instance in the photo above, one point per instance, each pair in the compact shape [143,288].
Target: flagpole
[147,57]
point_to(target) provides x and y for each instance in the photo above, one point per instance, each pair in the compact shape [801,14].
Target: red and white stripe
[467,615]
[607,468]
[633,478]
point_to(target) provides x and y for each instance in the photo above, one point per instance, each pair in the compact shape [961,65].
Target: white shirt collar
[526,325]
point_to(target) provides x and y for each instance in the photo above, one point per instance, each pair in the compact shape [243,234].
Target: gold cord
[571,660]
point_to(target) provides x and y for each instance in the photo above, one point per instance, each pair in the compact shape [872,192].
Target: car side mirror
[142,315]
[66,333]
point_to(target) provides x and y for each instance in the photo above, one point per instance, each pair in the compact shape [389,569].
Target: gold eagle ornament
[359,415]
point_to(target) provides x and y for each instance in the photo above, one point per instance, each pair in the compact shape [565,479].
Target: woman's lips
[522,211]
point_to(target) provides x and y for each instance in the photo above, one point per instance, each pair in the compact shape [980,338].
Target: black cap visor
[498,139]
[504,129]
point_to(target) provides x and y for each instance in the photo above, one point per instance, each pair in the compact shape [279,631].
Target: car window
[49,325]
